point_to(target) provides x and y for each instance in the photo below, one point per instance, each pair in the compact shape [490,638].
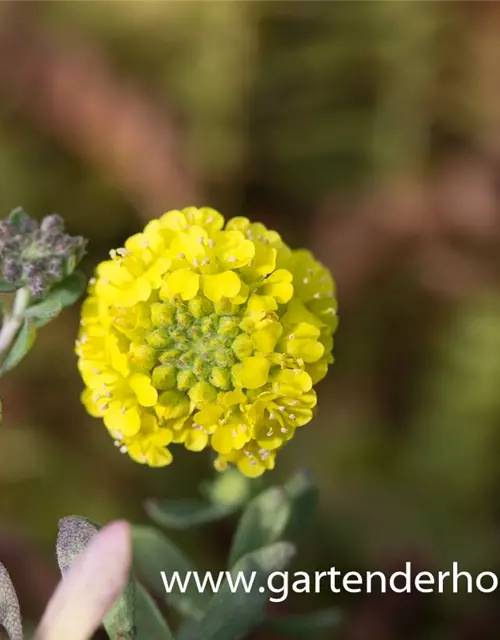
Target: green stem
[13,322]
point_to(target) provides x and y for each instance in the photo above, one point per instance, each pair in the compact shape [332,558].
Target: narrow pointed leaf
[149,622]
[278,513]
[43,312]
[8,287]
[153,553]
[22,344]
[262,523]
[233,613]
[64,293]
[179,514]
[303,493]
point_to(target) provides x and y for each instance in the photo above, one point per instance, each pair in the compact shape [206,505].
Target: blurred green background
[367,131]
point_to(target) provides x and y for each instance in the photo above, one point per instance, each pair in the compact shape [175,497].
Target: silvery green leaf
[10,614]
[153,553]
[43,312]
[66,292]
[231,616]
[262,523]
[149,622]
[277,513]
[303,494]
[182,514]
[9,287]
[22,344]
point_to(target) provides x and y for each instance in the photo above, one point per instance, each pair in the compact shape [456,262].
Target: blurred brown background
[368,131]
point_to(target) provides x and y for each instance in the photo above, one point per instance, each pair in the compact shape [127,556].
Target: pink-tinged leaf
[10,615]
[90,587]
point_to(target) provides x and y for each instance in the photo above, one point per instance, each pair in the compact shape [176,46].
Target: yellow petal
[125,421]
[279,286]
[222,285]
[172,404]
[252,373]
[161,437]
[143,389]
[250,467]
[222,440]
[208,416]
[174,220]
[242,294]
[308,350]
[233,397]
[205,217]
[261,305]
[233,250]
[182,281]
[196,440]
[157,457]
[292,382]
[265,339]
[264,260]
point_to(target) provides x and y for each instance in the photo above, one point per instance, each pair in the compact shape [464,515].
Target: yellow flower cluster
[206,334]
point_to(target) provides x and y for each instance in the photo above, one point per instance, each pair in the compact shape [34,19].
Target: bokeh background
[367,131]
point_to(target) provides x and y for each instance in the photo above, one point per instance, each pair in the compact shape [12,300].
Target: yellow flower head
[206,334]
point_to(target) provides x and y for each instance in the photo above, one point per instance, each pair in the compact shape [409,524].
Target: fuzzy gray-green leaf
[153,553]
[232,613]
[303,494]
[22,344]
[43,312]
[182,514]
[9,287]
[278,513]
[262,523]
[149,622]
[10,614]
[66,292]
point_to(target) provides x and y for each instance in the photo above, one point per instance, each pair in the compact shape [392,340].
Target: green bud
[142,355]
[162,313]
[242,347]
[228,326]
[201,368]
[185,380]
[220,378]
[202,393]
[158,339]
[164,377]
[199,307]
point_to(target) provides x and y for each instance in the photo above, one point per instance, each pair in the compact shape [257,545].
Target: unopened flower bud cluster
[37,255]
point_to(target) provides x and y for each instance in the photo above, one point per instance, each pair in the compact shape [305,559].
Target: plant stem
[13,322]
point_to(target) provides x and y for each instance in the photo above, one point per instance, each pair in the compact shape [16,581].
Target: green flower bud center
[189,343]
